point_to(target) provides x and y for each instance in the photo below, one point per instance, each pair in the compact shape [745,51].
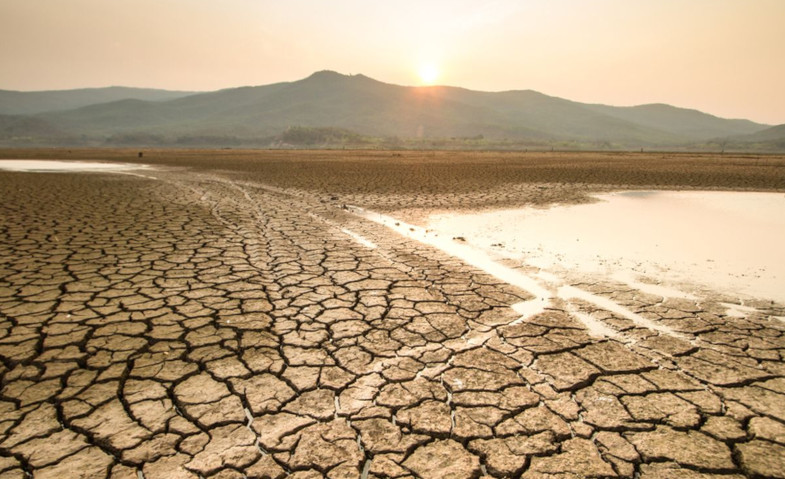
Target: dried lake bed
[309,314]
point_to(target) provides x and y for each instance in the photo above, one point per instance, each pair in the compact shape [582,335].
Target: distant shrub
[139,138]
[304,135]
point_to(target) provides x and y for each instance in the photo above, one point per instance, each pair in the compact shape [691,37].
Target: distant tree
[304,135]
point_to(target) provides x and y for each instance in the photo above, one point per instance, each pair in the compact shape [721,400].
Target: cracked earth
[184,324]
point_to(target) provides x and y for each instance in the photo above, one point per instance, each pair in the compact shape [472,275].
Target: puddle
[668,244]
[728,242]
[458,247]
[54,166]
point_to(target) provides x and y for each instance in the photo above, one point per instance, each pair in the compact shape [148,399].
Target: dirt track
[218,320]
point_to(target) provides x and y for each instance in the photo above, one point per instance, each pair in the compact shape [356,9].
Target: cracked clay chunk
[715,368]
[233,445]
[446,459]
[507,456]
[762,458]
[209,401]
[85,464]
[466,379]
[689,448]
[567,370]
[325,446]
[612,357]
[670,470]
[380,435]
[579,457]
[430,417]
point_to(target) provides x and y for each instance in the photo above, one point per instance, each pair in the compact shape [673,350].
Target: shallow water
[65,166]
[729,242]
[545,287]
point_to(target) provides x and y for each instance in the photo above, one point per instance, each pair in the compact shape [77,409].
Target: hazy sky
[725,57]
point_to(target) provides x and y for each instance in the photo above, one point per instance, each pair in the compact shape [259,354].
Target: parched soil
[395,180]
[215,318]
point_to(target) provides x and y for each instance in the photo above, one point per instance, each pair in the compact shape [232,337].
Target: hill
[770,139]
[775,133]
[28,103]
[680,121]
[362,107]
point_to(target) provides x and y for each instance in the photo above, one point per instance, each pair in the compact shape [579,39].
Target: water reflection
[51,166]
[726,241]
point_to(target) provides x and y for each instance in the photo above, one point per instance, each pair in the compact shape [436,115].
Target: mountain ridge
[13,102]
[369,107]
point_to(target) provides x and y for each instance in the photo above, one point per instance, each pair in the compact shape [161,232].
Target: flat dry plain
[211,317]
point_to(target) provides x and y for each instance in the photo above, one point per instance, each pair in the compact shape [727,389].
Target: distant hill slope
[775,133]
[369,107]
[770,139]
[28,103]
[19,126]
[680,121]
[359,103]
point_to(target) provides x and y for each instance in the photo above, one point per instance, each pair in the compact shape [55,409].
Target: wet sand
[227,314]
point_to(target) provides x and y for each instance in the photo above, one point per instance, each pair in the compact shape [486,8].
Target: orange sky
[725,57]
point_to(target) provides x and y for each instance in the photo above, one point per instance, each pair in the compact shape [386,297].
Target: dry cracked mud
[188,324]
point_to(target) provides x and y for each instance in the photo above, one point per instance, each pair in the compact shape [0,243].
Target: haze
[719,56]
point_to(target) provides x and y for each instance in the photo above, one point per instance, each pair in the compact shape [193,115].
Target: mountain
[27,126]
[775,133]
[680,121]
[28,103]
[367,107]
[770,139]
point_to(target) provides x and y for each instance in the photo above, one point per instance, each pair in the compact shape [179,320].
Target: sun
[428,73]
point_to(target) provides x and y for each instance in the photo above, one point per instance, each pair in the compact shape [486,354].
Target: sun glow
[428,73]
